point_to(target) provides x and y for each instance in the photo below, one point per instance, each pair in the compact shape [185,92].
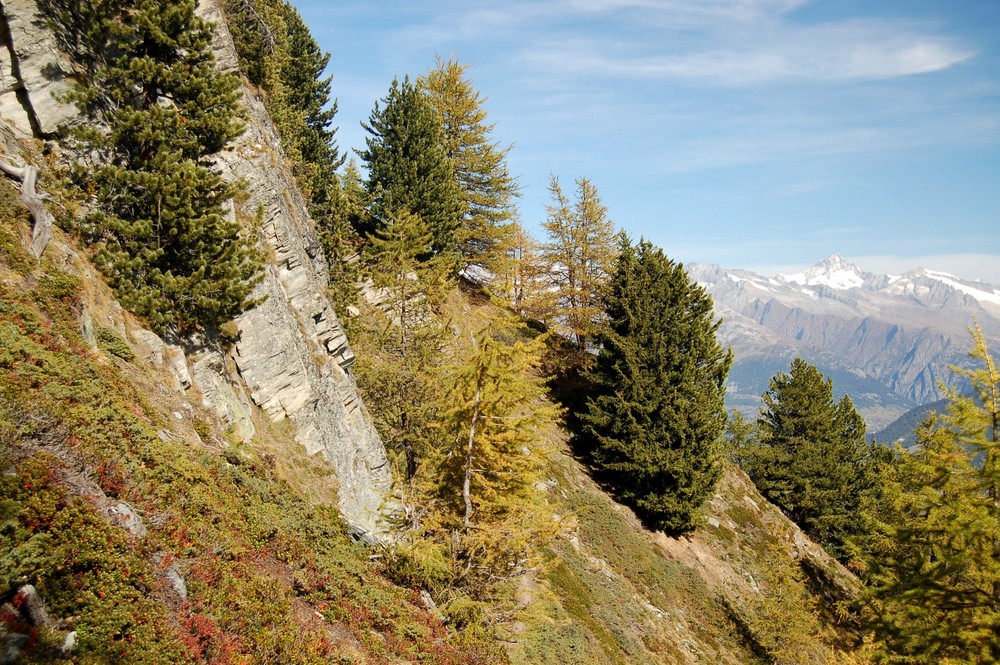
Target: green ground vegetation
[270,576]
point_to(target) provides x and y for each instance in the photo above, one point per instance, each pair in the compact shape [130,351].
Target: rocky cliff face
[292,358]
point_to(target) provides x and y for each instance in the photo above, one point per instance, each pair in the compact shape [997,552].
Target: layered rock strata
[291,357]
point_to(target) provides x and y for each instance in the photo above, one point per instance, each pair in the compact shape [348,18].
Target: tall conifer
[408,166]
[656,415]
[486,189]
[493,422]
[811,457]
[161,109]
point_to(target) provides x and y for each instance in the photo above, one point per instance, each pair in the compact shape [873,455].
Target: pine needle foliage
[931,555]
[279,56]
[808,455]
[655,415]
[160,109]
[487,191]
[408,166]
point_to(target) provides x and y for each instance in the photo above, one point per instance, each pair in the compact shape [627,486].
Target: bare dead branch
[34,201]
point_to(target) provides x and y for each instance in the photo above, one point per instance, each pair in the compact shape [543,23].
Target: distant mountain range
[886,340]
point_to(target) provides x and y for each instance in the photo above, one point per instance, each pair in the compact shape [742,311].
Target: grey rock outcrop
[291,357]
[34,73]
[292,352]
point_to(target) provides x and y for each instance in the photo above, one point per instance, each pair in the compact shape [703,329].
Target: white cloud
[688,12]
[853,51]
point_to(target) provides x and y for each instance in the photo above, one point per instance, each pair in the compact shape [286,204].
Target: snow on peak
[835,272]
[985,293]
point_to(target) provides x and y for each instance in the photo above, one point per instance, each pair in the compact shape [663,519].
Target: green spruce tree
[811,458]
[655,416]
[408,166]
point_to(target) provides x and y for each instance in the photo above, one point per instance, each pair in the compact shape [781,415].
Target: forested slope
[197,466]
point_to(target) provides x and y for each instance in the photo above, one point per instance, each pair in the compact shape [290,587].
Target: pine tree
[655,416]
[161,109]
[486,189]
[309,91]
[279,55]
[811,458]
[408,167]
[931,548]
[579,252]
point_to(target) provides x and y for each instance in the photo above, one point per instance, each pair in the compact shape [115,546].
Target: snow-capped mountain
[887,340]
[835,272]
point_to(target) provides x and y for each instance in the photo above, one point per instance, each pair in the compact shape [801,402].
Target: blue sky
[760,134]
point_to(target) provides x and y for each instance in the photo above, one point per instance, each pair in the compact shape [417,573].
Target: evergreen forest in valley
[552,408]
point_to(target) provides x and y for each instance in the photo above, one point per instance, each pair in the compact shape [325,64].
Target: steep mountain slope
[744,588]
[885,340]
[182,501]
[291,357]
[902,430]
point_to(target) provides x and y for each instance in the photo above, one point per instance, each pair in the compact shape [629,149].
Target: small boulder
[124,516]
[31,605]
[176,582]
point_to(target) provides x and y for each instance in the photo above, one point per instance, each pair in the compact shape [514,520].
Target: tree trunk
[467,485]
[35,203]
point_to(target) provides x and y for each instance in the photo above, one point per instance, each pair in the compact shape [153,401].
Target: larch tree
[493,425]
[655,415]
[408,166]
[401,375]
[524,283]
[487,191]
[160,109]
[931,547]
[811,457]
[580,251]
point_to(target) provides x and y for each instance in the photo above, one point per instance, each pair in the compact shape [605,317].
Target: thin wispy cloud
[692,12]
[855,51]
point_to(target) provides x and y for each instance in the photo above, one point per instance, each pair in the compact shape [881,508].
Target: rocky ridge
[291,359]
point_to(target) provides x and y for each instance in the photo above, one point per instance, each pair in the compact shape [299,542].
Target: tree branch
[34,201]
